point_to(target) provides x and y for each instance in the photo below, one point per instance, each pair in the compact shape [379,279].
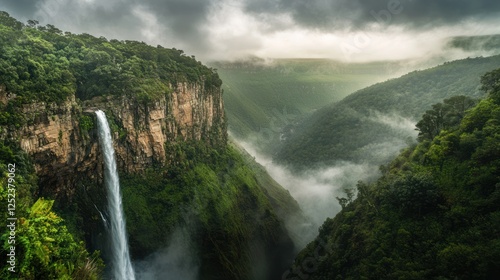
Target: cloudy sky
[351,30]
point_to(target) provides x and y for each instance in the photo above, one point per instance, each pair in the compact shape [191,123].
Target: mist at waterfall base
[121,266]
[177,261]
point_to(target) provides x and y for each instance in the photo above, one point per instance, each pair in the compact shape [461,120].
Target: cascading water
[120,259]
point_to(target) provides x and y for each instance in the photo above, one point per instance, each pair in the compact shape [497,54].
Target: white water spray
[120,259]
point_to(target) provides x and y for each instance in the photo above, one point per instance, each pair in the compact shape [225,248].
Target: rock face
[60,146]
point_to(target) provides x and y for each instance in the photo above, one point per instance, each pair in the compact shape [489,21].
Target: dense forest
[45,247]
[374,123]
[432,215]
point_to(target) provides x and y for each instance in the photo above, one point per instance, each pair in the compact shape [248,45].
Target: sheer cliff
[61,141]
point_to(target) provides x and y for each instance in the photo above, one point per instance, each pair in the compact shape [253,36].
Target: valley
[135,160]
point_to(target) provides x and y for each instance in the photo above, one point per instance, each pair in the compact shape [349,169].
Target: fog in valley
[316,190]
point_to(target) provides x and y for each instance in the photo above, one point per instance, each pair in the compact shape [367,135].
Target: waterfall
[120,259]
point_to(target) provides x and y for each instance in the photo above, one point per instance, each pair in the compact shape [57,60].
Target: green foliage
[39,245]
[352,128]
[41,64]
[413,194]
[344,201]
[86,123]
[8,21]
[46,250]
[44,247]
[116,127]
[433,215]
[491,84]
[444,115]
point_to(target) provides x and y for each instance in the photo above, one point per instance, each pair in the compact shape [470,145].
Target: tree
[432,122]
[32,23]
[7,20]
[455,108]
[444,115]
[491,84]
[52,29]
[414,194]
[344,201]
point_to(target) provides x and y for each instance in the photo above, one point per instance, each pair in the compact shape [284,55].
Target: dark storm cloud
[416,14]
[185,18]
[19,8]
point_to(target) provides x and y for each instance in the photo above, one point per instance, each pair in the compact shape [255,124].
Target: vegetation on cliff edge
[42,63]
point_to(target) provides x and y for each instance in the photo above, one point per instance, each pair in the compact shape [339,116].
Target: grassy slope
[347,130]
[280,198]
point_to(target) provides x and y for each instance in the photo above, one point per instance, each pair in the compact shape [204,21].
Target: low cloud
[316,189]
[395,121]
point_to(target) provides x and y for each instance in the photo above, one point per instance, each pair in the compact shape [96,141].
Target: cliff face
[60,146]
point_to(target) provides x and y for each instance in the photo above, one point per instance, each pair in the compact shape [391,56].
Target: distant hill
[475,43]
[374,123]
[262,96]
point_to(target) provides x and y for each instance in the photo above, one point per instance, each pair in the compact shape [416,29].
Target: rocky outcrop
[190,113]
[60,147]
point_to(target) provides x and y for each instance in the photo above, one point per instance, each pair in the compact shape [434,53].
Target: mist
[177,261]
[403,134]
[314,190]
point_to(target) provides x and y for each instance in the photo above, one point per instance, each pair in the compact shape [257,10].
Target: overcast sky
[351,30]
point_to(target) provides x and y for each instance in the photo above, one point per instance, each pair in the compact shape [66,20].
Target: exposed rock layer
[54,138]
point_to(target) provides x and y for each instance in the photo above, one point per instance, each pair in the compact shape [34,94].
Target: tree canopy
[41,63]
[444,115]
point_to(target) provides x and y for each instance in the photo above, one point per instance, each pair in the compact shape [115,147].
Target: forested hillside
[264,98]
[372,124]
[432,215]
[475,43]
